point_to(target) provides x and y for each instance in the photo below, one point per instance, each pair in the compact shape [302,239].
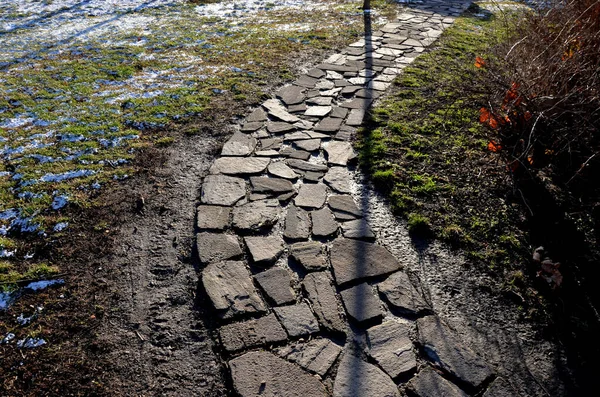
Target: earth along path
[309,304]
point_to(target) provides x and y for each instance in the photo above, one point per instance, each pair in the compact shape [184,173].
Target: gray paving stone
[230,289]
[343,216]
[311,196]
[317,135]
[291,95]
[500,388]
[429,383]
[214,247]
[338,112]
[449,353]
[276,283]
[212,217]
[257,115]
[239,165]
[298,320]
[361,303]
[264,249]
[329,124]
[358,229]
[264,184]
[359,103]
[323,223]
[312,176]
[239,145]
[317,111]
[324,302]
[306,166]
[356,117]
[271,143]
[255,215]
[344,203]
[296,136]
[309,144]
[317,356]
[357,378]
[350,90]
[338,178]
[367,93]
[355,260]
[401,295]
[222,190]
[252,333]
[278,111]
[316,73]
[281,170]
[306,81]
[296,154]
[252,126]
[267,153]
[297,224]
[279,127]
[339,153]
[341,83]
[263,374]
[299,108]
[310,255]
[304,125]
[391,348]
[320,101]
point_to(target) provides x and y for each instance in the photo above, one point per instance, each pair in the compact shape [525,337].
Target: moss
[418,225]
[164,141]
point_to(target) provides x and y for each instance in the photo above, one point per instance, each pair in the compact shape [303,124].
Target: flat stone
[271,143]
[263,374]
[252,126]
[320,291]
[281,170]
[379,85]
[344,203]
[239,165]
[339,153]
[230,289]
[343,216]
[341,83]
[312,176]
[389,51]
[309,255]
[278,127]
[298,320]
[355,259]
[338,178]
[297,224]
[311,196]
[361,303]
[252,333]
[331,93]
[429,383]
[357,378]
[356,117]
[264,249]
[401,295]
[317,356]
[278,111]
[317,135]
[317,111]
[296,136]
[338,112]
[350,90]
[309,144]
[323,223]
[329,124]
[255,215]
[306,81]
[345,134]
[299,108]
[276,283]
[367,93]
[304,125]
[448,352]
[337,68]
[297,154]
[320,101]
[391,348]
[316,73]
[500,388]
[267,153]
[257,115]
[265,184]
[222,190]
[306,166]
[212,217]
[291,95]
[215,247]
[359,103]
[359,229]
[239,145]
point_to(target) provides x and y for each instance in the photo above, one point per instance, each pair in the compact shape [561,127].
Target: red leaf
[479,62]
[494,147]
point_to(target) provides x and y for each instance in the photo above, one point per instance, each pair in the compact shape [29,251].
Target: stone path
[290,264]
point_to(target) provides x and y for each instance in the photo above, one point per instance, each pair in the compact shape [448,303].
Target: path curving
[290,263]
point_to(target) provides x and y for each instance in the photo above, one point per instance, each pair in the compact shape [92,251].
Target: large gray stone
[271,143]
[262,184]
[329,124]
[215,247]
[309,145]
[222,190]
[429,383]
[230,289]
[317,111]
[317,356]
[338,178]
[339,153]
[252,333]
[311,196]
[291,95]
[263,374]
[401,295]
[358,229]
[344,203]
[449,353]
[277,110]
[355,259]
[297,224]
[264,249]
[323,223]
[276,283]
[357,378]
[310,255]
[298,320]
[391,348]
[255,215]
[239,165]
[257,115]
[306,166]
[239,145]
[212,217]
[361,303]
[500,388]
[281,170]
[279,127]
[324,302]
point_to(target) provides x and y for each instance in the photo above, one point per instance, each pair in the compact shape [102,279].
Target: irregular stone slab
[500,388]
[429,383]
[343,216]
[239,145]
[391,348]
[212,217]
[222,190]
[278,111]
[359,229]
[296,136]
[357,378]
[449,353]
[252,333]
[356,117]
[324,303]
[311,196]
[297,224]
[267,153]
[304,125]
[401,295]
[359,103]
[263,374]
[338,178]
[311,176]
[339,112]
[296,154]
[278,127]
[281,170]
[271,143]
[339,153]
[324,85]
[337,68]
[306,81]
[299,108]
[230,289]
[306,166]
[214,247]
[309,144]
[263,184]
[317,135]
[255,215]
[298,320]
[344,203]
[276,283]
[361,304]
[320,101]
[317,356]
[257,115]
[252,126]
[316,73]
[317,111]
[264,249]
[291,95]
[323,223]
[329,124]
[310,255]
[355,259]
[239,165]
